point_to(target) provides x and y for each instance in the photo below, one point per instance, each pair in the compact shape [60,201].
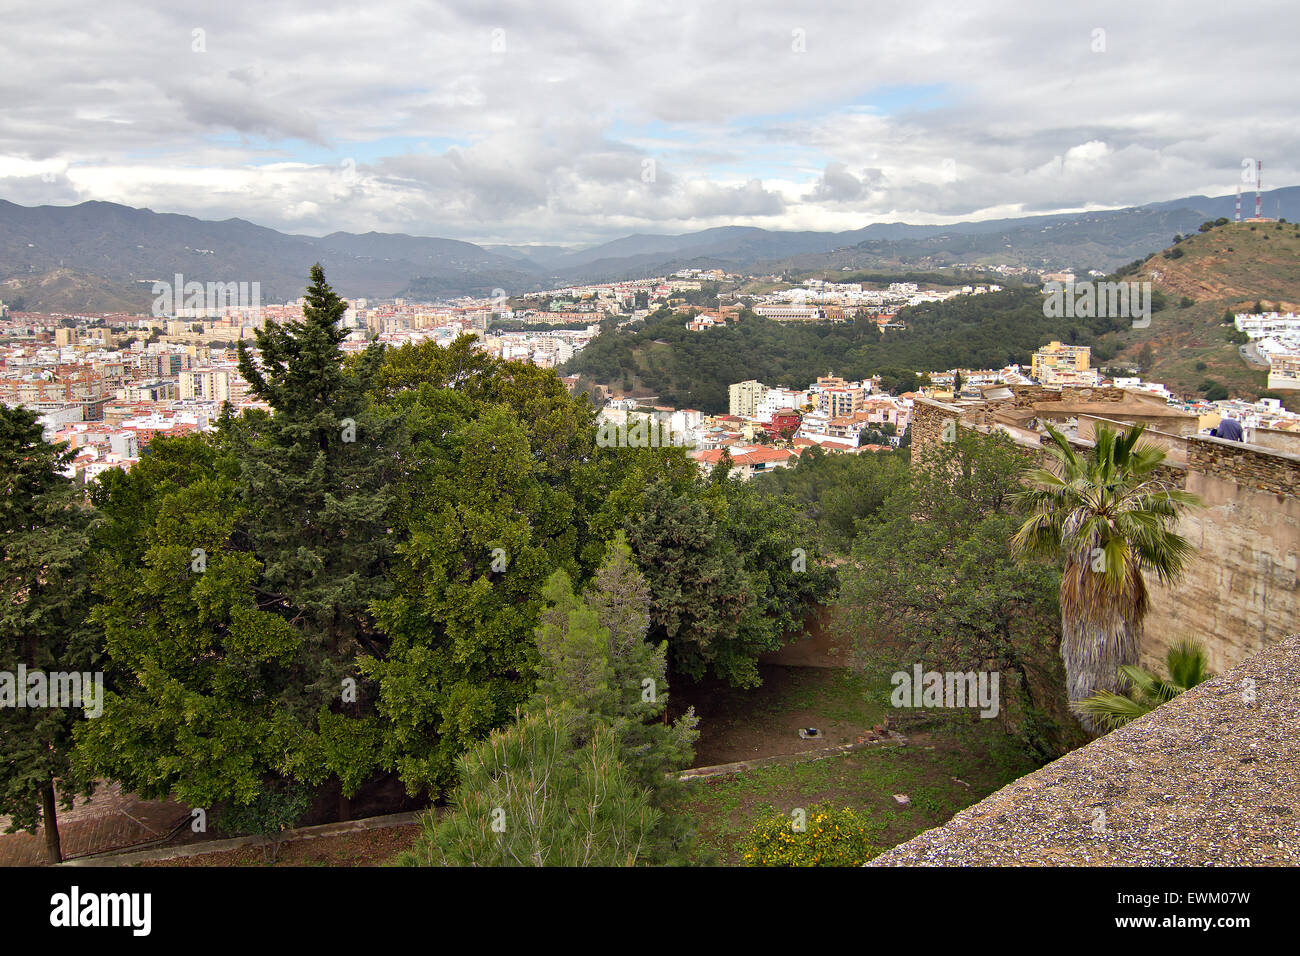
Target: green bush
[829,837]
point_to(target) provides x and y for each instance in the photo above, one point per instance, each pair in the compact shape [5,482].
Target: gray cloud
[568,122]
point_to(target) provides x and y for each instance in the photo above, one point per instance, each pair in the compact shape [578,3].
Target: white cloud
[509,122]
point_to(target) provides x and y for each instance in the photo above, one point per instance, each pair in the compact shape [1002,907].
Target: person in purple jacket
[1229,428]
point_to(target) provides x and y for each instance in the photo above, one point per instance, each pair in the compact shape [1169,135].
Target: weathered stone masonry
[1242,588]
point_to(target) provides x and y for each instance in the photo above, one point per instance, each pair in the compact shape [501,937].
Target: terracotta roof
[755,456]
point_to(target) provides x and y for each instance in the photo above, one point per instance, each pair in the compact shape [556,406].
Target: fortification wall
[1242,587]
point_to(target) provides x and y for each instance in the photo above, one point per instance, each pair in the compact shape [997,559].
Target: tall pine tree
[597,667]
[316,478]
[44,534]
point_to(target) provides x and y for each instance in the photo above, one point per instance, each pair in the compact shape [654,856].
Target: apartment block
[1057,364]
[746,398]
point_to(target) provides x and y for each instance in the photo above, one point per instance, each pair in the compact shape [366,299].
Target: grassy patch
[724,808]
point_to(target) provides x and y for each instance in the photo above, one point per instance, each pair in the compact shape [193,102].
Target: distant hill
[1098,240]
[128,247]
[1227,269]
[694,369]
[66,290]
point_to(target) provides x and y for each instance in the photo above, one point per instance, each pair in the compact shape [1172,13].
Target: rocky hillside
[1229,268]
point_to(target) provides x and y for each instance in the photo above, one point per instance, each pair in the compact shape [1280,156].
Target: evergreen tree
[201,670]
[597,665]
[44,535]
[583,777]
[699,594]
[530,796]
[732,574]
[482,529]
[315,481]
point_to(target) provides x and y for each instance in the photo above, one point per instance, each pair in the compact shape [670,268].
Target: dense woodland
[694,369]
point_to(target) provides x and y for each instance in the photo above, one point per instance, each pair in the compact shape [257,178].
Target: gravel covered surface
[1211,778]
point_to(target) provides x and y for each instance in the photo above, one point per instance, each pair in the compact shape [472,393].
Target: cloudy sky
[576,121]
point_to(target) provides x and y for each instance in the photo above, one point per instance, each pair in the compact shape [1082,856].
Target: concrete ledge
[1211,778]
[236,843]
[718,770]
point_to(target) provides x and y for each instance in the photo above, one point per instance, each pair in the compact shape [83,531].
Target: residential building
[1057,364]
[1284,370]
[746,397]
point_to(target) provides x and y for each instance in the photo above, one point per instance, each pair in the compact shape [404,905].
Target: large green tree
[732,574]
[202,671]
[502,484]
[931,580]
[582,778]
[316,479]
[44,535]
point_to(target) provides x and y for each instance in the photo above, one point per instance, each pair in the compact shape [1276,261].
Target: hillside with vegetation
[70,291]
[1206,277]
[661,357]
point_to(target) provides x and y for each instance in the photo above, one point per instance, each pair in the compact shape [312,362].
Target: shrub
[1214,391]
[830,837]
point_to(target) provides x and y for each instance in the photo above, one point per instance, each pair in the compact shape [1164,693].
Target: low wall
[1276,439]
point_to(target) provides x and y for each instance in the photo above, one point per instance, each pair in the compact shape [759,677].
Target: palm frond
[1188,664]
[1110,710]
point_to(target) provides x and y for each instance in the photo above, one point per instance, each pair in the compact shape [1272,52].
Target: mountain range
[99,256]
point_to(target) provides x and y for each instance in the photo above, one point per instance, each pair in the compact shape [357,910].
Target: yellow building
[1284,371]
[1057,364]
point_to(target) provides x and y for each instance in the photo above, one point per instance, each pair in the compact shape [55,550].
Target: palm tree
[1186,663]
[1111,516]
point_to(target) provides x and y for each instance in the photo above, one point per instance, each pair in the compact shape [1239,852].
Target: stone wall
[1026,396]
[1253,466]
[1242,587]
[928,418]
[1276,439]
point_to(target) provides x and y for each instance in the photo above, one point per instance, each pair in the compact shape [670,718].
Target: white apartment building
[790,313]
[746,397]
[1267,324]
[208,384]
[779,398]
